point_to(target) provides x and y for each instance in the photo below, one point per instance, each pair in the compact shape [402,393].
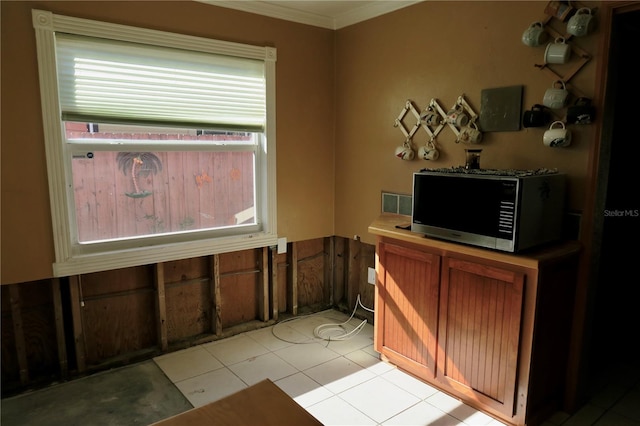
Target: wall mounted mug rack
[579,57]
[463,107]
[567,71]
[433,116]
[433,119]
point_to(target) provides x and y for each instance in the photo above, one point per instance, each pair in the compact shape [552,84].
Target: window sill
[85,264]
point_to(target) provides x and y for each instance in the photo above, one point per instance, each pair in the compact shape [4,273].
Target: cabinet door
[407,303]
[479,329]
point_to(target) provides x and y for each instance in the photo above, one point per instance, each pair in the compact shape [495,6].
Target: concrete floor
[139,394]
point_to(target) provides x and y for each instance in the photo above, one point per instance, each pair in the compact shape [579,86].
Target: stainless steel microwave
[507,210]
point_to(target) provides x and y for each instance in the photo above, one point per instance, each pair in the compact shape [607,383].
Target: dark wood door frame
[593,215]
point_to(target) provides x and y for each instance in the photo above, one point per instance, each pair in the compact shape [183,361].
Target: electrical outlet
[282,245]
[371,276]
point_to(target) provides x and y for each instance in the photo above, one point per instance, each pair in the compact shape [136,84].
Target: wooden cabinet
[479,331]
[487,327]
[408,312]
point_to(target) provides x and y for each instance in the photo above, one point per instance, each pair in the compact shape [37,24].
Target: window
[159,146]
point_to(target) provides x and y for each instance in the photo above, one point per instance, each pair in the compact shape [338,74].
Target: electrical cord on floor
[321,331]
[329,332]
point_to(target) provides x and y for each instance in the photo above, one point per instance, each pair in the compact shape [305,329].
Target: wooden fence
[188,191]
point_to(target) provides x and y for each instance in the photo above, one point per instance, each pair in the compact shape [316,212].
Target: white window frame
[70,259]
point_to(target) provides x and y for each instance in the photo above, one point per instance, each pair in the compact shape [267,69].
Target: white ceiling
[331,14]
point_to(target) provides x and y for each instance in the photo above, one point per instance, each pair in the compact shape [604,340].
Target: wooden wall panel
[29,338]
[117,326]
[239,298]
[310,248]
[38,325]
[240,261]
[188,298]
[312,289]
[10,365]
[118,313]
[119,280]
[186,269]
[113,317]
[189,308]
[239,281]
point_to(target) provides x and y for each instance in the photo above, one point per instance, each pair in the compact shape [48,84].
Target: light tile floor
[344,382]
[340,382]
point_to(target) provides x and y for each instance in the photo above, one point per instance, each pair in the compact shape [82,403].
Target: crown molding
[370,10]
[367,11]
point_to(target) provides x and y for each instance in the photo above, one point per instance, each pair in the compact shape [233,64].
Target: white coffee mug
[581,23]
[556,97]
[557,137]
[428,152]
[535,35]
[405,152]
[457,117]
[557,52]
[431,118]
[470,134]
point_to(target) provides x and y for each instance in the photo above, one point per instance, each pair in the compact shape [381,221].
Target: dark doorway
[616,310]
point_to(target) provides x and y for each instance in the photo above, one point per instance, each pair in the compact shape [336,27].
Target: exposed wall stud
[329,255]
[353,272]
[274,284]
[292,287]
[263,286]
[217,299]
[18,331]
[59,320]
[161,306]
[76,314]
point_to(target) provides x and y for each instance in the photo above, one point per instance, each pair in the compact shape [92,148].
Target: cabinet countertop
[385,226]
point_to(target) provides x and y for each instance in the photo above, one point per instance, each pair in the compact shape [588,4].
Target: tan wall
[430,50]
[441,50]
[305,117]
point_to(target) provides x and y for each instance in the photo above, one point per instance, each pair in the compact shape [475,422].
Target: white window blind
[132,80]
[123,82]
